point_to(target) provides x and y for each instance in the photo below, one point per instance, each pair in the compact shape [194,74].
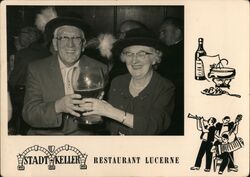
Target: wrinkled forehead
[137,48]
[68,30]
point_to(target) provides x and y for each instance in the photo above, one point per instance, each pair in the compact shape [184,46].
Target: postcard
[124,88]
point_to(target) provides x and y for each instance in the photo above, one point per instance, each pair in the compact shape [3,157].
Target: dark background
[102,19]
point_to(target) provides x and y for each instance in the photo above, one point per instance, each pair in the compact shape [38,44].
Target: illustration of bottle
[199,67]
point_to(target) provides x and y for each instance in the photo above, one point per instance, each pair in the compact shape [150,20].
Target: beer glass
[89,83]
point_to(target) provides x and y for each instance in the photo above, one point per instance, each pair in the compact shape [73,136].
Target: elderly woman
[141,102]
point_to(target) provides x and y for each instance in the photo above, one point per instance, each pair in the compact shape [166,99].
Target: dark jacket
[23,57]
[172,68]
[45,86]
[219,126]
[152,108]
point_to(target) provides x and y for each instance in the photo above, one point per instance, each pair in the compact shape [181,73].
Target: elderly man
[49,100]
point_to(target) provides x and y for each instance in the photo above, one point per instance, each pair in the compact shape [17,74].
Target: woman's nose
[134,59]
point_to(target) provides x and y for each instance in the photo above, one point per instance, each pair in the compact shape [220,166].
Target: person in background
[30,38]
[50,105]
[172,65]
[119,67]
[140,102]
[128,25]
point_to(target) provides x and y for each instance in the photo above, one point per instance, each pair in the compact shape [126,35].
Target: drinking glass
[89,83]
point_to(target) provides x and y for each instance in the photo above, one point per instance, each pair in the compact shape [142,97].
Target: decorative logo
[51,156]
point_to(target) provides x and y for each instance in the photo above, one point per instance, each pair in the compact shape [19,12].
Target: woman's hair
[159,55]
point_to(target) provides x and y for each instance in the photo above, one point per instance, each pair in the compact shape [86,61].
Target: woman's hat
[53,24]
[138,36]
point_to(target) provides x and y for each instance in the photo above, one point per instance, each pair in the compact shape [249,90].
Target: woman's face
[139,60]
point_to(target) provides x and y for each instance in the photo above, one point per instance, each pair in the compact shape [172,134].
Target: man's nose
[161,36]
[71,42]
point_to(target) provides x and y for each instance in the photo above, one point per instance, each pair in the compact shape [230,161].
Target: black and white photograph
[113,70]
[124,88]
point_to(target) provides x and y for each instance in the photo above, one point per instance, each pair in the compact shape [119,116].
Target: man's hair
[56,31]
[213,120]
[135,23]
[226,117]
[225,136]
[174,21]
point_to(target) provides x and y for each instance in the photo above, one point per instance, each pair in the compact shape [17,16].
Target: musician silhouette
[225,156]
[207,136]
[232,128]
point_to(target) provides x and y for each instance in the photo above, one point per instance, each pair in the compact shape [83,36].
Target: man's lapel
[56,77]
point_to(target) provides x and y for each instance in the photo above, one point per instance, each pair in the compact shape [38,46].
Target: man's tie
[68,84]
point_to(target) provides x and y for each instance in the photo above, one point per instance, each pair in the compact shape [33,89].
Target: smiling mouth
[70,51]
[135,67]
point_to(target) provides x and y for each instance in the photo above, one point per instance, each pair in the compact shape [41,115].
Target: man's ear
[54,41]
[84,45]
[178,33]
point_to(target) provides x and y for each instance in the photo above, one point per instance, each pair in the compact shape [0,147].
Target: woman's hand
[95,106]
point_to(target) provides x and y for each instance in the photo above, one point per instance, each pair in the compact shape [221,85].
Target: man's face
[210,122]
[24,39]
[226,121]
[168,34]
[69,42]
[224,140]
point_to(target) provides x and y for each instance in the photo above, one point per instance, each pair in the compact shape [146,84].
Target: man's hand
[69,104]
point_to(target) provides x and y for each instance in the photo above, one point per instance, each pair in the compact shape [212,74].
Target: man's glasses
[139,55]
[66,39]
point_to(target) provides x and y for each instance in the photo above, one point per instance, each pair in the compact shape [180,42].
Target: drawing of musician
[230,129]
[225,156]
[207,136]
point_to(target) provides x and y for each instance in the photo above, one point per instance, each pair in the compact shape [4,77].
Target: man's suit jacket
[44,86]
